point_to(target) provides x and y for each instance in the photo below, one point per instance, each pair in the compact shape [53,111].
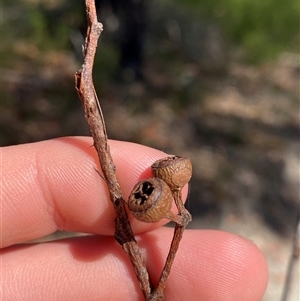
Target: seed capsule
[176,171]
[150,200]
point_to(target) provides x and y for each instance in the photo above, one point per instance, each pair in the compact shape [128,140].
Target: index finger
[53,185]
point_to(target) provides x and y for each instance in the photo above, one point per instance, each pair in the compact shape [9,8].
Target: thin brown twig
[93,113]
[181,220]
[294,258]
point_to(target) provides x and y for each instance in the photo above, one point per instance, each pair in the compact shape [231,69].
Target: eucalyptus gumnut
[176,171]
[150,200]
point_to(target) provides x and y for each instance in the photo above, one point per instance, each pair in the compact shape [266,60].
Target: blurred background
[217,81]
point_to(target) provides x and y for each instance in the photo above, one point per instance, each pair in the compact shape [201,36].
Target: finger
[209,265]
[53,185]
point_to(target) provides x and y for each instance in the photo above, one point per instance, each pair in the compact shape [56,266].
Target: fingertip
[235,267]
[244,271]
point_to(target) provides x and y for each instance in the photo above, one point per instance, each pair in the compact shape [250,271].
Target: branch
[93,114]
[174,172]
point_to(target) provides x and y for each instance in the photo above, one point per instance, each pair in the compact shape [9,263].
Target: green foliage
[45,26]
[263,28]
[46,33]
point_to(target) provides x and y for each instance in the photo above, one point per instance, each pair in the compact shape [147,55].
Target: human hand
[52,185]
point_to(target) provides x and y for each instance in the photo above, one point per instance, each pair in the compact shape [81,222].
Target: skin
[52,185]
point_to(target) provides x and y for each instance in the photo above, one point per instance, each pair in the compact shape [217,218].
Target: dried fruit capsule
[150,200]
[175,171]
